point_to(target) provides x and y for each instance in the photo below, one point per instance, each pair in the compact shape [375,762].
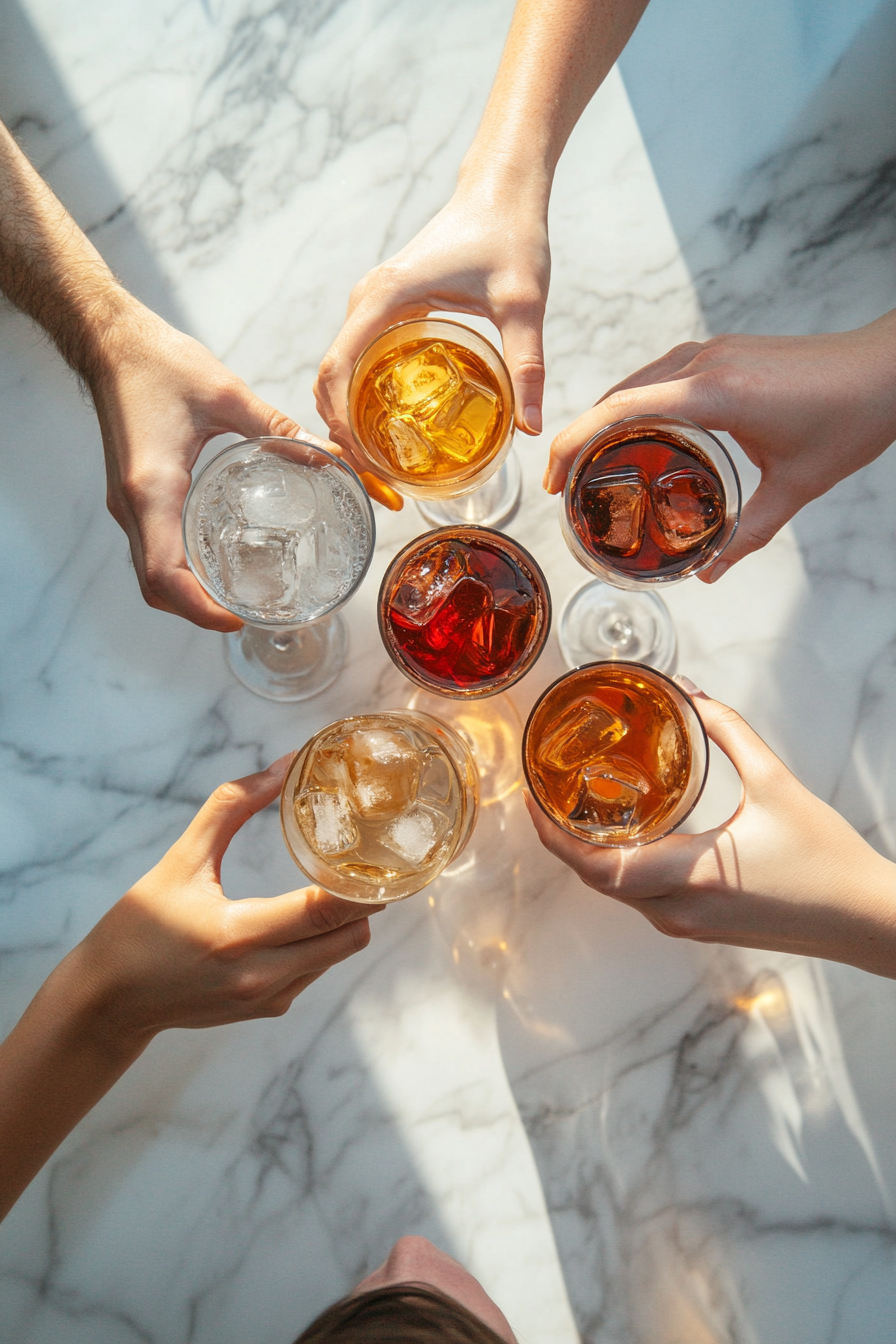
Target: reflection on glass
[430,403]
[464,611]
[280,532]
[375,806]
[615,753]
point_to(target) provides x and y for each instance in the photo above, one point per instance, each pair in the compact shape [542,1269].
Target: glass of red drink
[649,501]
[464,611]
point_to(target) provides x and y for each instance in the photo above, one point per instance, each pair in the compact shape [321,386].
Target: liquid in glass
[375,806]
[609,754]
[464,611]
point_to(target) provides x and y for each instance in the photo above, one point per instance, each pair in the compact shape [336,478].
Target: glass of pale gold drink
[430,404]
[375,806]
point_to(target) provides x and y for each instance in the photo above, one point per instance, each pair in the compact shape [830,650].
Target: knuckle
[530,371]
[279,1006]
[227,793]
[324,911]
[247,985]
[328,369]
[360,935]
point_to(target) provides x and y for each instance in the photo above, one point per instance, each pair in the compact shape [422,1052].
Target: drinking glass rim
[538,644]
[395,477]
[336,461]
[616,663]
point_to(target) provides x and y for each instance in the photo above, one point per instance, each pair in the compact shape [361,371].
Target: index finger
[276,921]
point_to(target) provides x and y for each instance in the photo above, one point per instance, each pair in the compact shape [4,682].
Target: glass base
[599,622]
[288,664]
[492,504]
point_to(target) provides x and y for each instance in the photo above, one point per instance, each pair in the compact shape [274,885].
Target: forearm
[49,269]
[55,1065]
[555,58]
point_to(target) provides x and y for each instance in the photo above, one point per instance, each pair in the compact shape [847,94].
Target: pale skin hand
[785,872]
[807,410]
[173,952]
[487,251]
[160,396]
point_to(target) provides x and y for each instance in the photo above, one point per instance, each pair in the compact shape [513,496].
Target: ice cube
[583,731]
[512,628]
[256,567]
[464,617]
[688,509]
[418,383]
[435,778]
[613,504]
[460,425]
[413,452]
[383,770]
[273,494]
[416,834]
[609,798]
[326,822]
[671,752]
[428,581]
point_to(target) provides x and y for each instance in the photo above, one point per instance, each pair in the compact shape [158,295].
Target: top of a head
[401,1313]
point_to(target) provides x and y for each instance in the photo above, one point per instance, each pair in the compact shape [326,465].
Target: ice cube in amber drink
[615,753]
[430,403]
[650,500]
[374,807]
[464,611]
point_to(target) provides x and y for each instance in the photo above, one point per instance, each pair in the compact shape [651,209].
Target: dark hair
[402,1313]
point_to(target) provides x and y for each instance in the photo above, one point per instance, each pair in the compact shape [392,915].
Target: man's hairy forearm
[50,270]
[557,54]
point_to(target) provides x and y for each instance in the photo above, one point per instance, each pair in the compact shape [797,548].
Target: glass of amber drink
[430,404]
[376,806]
[616,754]
[649,501]
[464,611]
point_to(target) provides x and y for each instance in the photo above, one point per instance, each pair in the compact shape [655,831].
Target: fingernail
[718,571]
[532,416]
[687,685]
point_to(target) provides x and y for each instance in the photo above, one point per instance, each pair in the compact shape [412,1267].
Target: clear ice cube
[435,779]
[419,383]
[256,567]
[670,751]
[609,798]
[384,771]
[273,494]
[688,509]
[584,730]
[461,423]
[413,452]
[428,581]
[326,822]
[417,834]
[614,504]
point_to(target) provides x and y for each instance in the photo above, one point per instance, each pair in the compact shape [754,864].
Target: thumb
[762,517]
[253,418]
[229,808]
[521,337]
[752,758]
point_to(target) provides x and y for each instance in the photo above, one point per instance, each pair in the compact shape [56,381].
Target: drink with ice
[431,406]
[375,806]
[464,611]
[615,753]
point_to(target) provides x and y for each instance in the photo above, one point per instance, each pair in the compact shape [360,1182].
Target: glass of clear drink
[376,806]
[464,611]
[616,754]
[648,502]
[430,404]
[281,533]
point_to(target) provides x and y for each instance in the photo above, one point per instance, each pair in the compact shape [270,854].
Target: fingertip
[533,419]
[382,493]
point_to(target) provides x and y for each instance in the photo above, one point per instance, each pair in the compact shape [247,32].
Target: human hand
[785,872]
[483,253]
[160,396]
[807,410]
[175,952]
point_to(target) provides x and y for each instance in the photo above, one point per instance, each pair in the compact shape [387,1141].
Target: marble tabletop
[630,1140]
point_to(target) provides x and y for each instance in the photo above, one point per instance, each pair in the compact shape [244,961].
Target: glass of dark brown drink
[430,404]
[649,501]
[464,611]
[616,754]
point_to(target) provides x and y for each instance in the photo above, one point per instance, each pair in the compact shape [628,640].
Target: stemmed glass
[648,502]
[375,806]
[281,533]
[464,612]
[430,405]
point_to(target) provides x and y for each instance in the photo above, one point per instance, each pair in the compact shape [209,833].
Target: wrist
[502,179]
[84,1007]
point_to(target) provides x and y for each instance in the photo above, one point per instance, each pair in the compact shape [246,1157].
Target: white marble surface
[631,1141]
